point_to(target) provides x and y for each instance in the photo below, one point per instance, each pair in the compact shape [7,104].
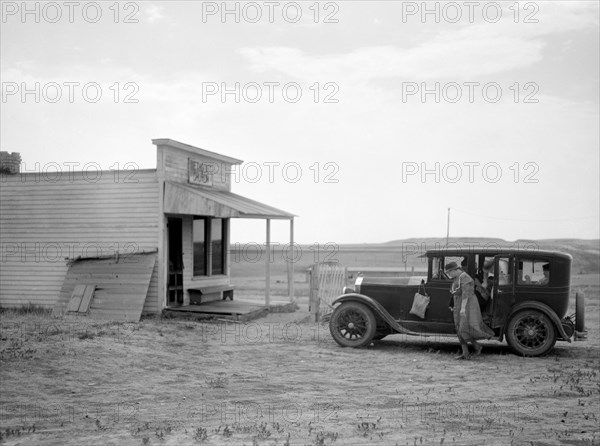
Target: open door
[175,256]
[439,318]
[503,294]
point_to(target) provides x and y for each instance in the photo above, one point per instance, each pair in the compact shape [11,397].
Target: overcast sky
[403,113]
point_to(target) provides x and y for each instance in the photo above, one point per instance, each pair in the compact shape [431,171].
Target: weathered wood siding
[121,286]
[45,219]
[175,165]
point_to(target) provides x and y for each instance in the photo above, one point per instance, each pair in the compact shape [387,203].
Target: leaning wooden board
[121,286]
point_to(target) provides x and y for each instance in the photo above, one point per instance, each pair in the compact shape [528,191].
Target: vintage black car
[524,297]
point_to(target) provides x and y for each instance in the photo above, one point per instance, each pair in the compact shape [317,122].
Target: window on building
[200,249]
[210,246]
[217,246]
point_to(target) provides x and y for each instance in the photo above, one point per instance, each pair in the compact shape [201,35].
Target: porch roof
[183,199]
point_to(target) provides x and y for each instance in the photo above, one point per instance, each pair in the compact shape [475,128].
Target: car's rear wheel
[531,333]
[352,324]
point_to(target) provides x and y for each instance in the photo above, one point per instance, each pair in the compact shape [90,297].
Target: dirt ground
[280,380]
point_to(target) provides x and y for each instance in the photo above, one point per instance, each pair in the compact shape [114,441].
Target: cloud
[459,51]
[458,58]
[154,13]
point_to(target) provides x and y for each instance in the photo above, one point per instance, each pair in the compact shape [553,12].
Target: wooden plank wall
[121,286]
[46,218]
[175,165]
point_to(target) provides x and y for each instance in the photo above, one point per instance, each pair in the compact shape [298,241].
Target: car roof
[495,251]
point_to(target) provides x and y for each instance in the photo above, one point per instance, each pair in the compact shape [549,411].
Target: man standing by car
[467,314]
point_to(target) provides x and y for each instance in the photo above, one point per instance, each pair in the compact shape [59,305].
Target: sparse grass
[86,335]
[219,382]
[569,382]
[323,438]
[27,331]
[5,434]
[26,309]
[200,434]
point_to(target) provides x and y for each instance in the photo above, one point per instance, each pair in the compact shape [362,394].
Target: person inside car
[481,290]
[546,270]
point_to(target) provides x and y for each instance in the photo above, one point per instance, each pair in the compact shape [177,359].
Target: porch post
[290,263]
[268,265]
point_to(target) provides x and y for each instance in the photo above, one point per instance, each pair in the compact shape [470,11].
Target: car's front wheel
[353,324]
[531,333]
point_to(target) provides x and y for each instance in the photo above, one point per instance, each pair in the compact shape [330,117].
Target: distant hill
[406,253]
[586,253]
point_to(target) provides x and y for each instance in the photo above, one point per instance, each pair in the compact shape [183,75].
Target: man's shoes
[461,356]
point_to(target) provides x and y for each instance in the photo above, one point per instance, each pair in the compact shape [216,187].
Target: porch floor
[228,309]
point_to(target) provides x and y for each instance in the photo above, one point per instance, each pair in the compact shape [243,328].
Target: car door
[438,290]
[439,294]
[503,294]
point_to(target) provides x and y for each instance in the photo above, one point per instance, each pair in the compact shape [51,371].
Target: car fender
[533,305]
[377,308]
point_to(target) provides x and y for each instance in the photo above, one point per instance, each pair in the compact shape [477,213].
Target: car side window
[504,273]
[437,268]
[533,272]
[504,276]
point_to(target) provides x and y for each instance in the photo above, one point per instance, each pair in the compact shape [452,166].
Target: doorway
[175,257]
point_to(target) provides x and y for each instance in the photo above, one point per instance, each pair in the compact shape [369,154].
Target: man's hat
[488,264]
[451,266]
[546,267]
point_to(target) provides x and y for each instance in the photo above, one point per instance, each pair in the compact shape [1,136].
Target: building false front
[181,211]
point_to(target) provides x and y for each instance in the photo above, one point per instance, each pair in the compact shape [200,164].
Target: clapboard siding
[175,165]
[44,222]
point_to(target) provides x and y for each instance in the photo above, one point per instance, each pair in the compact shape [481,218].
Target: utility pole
[448,228]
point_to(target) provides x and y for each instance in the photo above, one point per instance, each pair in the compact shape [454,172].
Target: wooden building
[176,217]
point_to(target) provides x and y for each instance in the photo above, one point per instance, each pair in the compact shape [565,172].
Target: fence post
[580,331]
[313,303]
